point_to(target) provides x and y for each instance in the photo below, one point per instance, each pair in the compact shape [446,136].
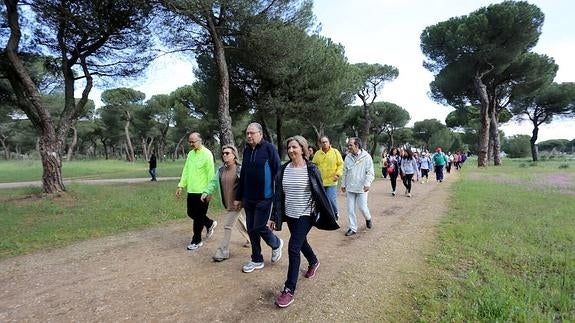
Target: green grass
[507,248]
[31,170]
[29,222]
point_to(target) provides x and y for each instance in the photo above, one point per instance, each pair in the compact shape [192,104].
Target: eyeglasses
[225,153]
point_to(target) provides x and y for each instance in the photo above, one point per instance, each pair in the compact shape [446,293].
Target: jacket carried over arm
[326,219]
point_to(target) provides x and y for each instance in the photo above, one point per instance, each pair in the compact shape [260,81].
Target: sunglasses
[225,153]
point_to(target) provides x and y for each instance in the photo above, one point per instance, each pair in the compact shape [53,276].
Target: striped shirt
[297,191]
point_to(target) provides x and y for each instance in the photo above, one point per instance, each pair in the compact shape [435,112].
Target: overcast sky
[387,32]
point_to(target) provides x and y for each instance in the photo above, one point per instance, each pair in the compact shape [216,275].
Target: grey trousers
[239,219]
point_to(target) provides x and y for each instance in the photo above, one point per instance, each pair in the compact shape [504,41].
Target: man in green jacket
[439,161]
[197,173]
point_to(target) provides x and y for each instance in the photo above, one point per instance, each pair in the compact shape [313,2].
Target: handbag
[390,169]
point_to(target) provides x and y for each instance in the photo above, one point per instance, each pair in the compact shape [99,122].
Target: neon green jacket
[198,170]
[329,165]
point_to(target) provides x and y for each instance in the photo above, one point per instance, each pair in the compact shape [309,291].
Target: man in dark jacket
[260,164]
[152,169]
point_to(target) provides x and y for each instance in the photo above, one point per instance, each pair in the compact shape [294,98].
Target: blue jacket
[260,164]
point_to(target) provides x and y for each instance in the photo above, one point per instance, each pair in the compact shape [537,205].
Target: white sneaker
[211,229]
[408,194]
[194,246]
[277,253]
[251,266]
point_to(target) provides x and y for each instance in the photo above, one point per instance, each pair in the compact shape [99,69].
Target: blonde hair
[234,151]
[302,142]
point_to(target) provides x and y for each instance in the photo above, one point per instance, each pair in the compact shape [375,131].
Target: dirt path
[149,276]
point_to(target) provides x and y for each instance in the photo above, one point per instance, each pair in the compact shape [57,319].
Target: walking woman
[408,169]
[227,179]
[299,186]
[393,160]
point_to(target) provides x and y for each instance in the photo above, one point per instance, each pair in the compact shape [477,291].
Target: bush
[517,146]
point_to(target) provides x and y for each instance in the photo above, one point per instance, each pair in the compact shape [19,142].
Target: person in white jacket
[358,174]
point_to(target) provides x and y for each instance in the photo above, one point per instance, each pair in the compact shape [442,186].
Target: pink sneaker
[311,270]
[285,298]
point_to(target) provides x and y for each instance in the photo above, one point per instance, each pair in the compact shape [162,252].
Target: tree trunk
[30,101]
[129,148]
[366,124]
[496,142]
[72,144]
[483,144]
[145,148]
[5,147]
[105,147]
[391,140]
[533,140]
[279,135]
[52,165]
[175,156]
[225,120]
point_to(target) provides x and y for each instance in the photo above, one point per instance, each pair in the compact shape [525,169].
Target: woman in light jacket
[299,186]
[408,168]
[227,180]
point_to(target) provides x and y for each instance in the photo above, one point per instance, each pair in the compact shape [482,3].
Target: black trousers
[198,212]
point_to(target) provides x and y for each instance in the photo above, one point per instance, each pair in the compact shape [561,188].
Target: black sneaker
[368,224]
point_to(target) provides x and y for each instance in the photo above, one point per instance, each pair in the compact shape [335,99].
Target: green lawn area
[31,170]
[506,250]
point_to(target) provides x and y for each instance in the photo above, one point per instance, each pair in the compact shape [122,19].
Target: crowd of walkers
[412,166]
[301,193]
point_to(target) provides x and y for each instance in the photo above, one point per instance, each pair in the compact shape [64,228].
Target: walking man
[261,163]
[439,162]
[197,173]
[358,173]
[330,164]
[152,169]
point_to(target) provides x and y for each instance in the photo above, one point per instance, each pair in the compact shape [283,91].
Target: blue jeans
[298,228]
[257,216]
[439,172]
[331,192]
[152,172]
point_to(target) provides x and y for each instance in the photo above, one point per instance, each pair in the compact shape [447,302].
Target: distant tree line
[255,61]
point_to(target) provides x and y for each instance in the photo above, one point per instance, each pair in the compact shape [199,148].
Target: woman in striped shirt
[299,195]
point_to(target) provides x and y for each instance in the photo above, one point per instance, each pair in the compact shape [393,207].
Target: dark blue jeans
[257,216]
[298,228]
[439,172]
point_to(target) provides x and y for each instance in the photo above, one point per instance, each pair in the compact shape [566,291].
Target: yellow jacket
[198,170]
[330,164]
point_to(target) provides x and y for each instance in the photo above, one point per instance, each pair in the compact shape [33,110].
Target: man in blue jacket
[260,164]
